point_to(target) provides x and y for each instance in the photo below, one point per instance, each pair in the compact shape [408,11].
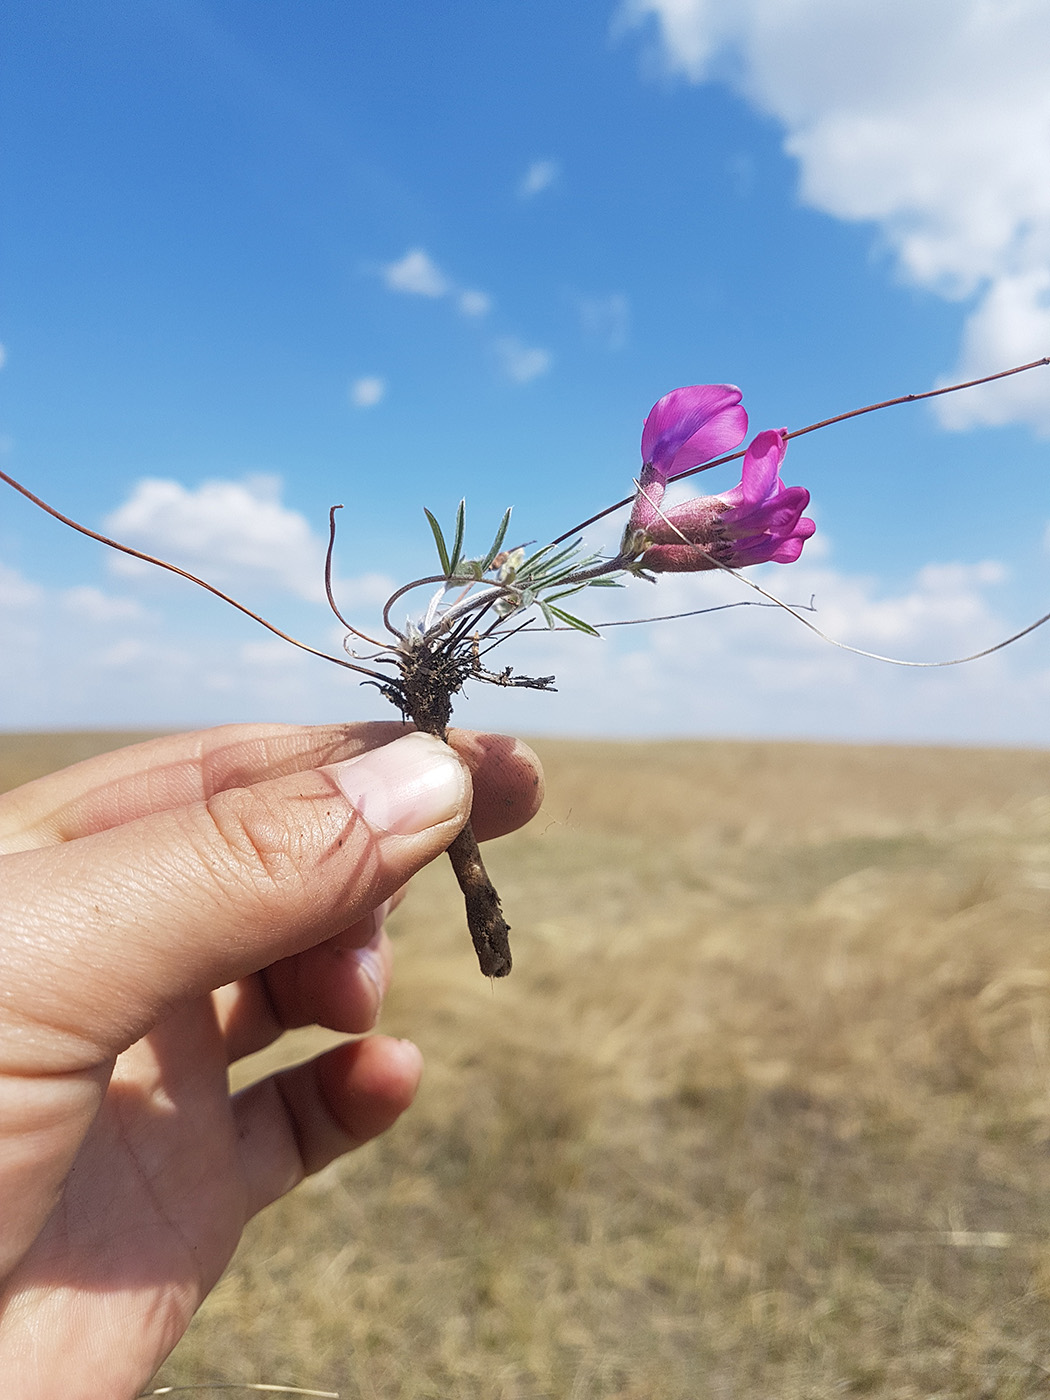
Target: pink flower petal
[777,515]
[691,425]
[761,468]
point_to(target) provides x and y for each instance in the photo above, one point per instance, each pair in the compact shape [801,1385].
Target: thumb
[103,936]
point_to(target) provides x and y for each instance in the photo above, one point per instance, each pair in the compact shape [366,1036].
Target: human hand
[168,909]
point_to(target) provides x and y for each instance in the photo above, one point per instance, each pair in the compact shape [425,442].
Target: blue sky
[259,258]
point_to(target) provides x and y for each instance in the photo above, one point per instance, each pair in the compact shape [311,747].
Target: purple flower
[690,426]
[757,521]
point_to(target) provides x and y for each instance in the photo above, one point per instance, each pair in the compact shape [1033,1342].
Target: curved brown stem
[184,573]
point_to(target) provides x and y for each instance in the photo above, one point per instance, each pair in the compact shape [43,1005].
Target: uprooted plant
[479,601]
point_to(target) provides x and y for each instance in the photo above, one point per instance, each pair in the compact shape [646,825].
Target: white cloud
[931,121]
[1013,314]
[748,671]
[756,671]
[367,391]
[474,303]
[222,528]
[271,654]
[365,590]
[92,605]
[118,673]
[416,274]
[521,363]
[120,655]
[16,591]
[606,319]
[540,175]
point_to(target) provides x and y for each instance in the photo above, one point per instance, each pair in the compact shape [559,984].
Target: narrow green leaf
[552,563]
[546,578]
[533,559]
[604,583]
[576,622]
[571,563]
[497,543]
[439,540]
[457,544]
[555,577]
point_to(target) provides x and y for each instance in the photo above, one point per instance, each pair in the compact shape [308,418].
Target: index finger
[180,769]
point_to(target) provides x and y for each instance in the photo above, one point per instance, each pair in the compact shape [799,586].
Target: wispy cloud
[756,671]
[521,363]
[221,528]
[137,667]
[751,671]
[367,391]
[540,175]
[417,275]
[16,591]
[606,319]
[90,604]
[474,303]
[929,121]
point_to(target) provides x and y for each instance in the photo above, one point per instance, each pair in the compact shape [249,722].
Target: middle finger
[339,984]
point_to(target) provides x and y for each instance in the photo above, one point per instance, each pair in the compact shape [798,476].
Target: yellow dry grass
[761,1112]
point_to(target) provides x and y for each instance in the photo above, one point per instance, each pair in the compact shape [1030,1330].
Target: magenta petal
[690,425]
[773,548]
[755,549]
[721,435]
[762,466]
[789,551]
[778,515]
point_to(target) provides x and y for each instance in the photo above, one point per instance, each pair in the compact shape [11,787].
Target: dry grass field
[761,1114]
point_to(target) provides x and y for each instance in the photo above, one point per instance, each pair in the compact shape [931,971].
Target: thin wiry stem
[693,612]
[532,625]
[876,656]
[812,428]
[528,625]
[497,622]
[842,646]
[184,573]
[910,398]
[459,633]
[406,588]
[328,583]
[241,1385]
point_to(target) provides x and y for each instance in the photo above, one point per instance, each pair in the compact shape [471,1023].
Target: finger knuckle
[256,838]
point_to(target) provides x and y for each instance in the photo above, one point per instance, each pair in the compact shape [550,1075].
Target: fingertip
[508,780]
[367,1084]
[301,1119]
[406,787]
